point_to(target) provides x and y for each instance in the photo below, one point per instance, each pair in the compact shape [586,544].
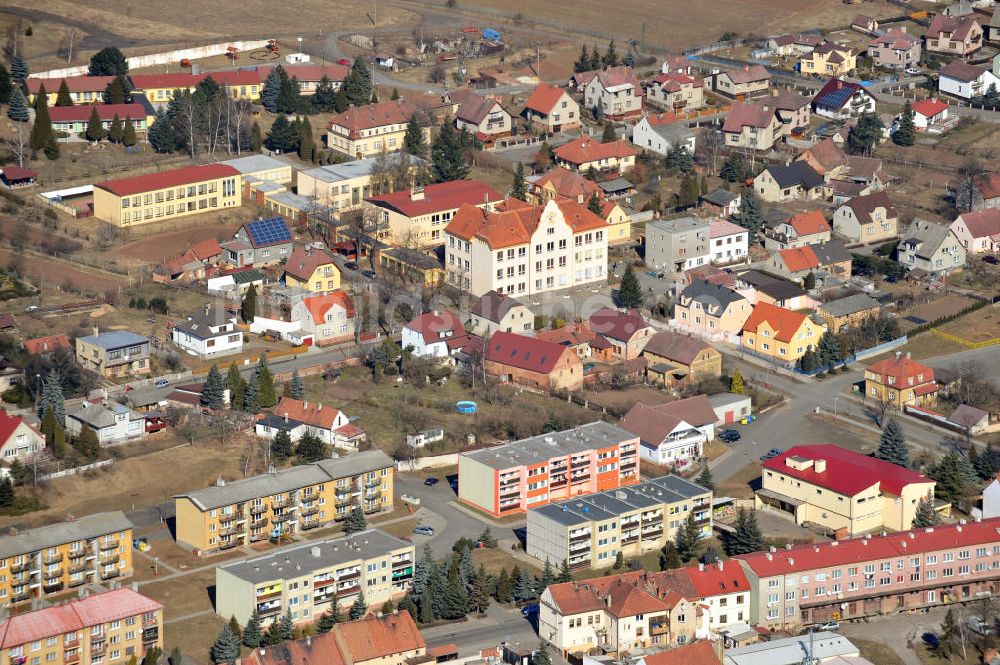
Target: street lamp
[38,390]
[835,398]
[755,450]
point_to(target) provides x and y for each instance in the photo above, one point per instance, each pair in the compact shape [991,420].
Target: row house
[531,472]
[591,531]
[677,92]
[113,627]
[310,579]
[615,93]
[50,560]
[418,216]
[895,49]
[826,258]
[954,35]
[523,250]
[873,575]
[284,502]
[160,88]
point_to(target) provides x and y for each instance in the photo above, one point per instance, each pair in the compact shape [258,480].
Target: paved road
[896,632]
[502,624]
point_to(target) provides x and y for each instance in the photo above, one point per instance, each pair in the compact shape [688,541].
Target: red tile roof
[929,107]
[571,334]
[544,98]
[303,261]
[438,197]
[174,81]
[310,413]
[74,615]
[206,249]
[718,579]
[701,652]
[809,222]
[514,222]
[370,638]
[673,82]
[851,551]
[74,83]
[982,223]
[748,74]
[46,344]
[797,259]
[585,149]
[621,326]
[902,369]
[527,353]
[396,112]
[437,326]
[748,115]
[614,77]
[318,306]
[847,472]
[186,175]
[18,173]
[784,321]
[309,73]
[568,183]
[82,113]
[8,424]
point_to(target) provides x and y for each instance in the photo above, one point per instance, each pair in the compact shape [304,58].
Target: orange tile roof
[585,149]
[515,222]
[929,107]
[902,369]
[314,414]
[701,652]
[303,261]
[174,178]
[567,183]
[46,344]
[319,305]
[785,322]
[809,222]
[797,259]
[205,249]
[544,98]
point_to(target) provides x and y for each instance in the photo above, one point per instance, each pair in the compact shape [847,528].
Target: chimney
[207,308]
[721,564]
[319,407]
[314,551]
[899,354]
[840,84]
[819,466]
[907,355]
[309,641]
[286,416]
[417,193]
[96,331]
[701,567]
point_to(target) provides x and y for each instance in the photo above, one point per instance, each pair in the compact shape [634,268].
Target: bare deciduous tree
[16,140]
[67,47]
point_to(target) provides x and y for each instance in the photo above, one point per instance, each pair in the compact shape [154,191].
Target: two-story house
[340,188]
[801,229]
[829,59]
[615,93]
[931,247]
[785,182]
[262,242]
[793,111]
[677,92]
[900,381]
[729,242]
[710,310]
[18,440]
[552,109]
[483,116]
[676,245]
[752,125]
[780,334]
[895,49]
[670,437]
[433,334]
[661,133]
[208,333]
[365,131]
[627,332]
[839,99]
[417,217]
[328,318]
[966,81]
[113,353]
[867,219]
[954,35]
[584,153]
[674,359]
[743,83]
[311,269]
[978,231]
[533,363]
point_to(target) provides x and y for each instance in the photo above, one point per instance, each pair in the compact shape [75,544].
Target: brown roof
[895,39]
[958,26]
[527,353]
[618,76]
[701,652]
[396,112]
[437,325]
[303,261]
[567,183]
[493,306]
[586,149]
[683,349]
[826,155]
[572,334]
[988,185]
[963,71]
[651,423]
[759,115]
[472,107]
[789,100]
[544,98]
[748,74]
[614,324]
[206,249]
[864,206]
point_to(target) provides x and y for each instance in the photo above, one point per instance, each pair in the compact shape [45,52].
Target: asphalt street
[502,624]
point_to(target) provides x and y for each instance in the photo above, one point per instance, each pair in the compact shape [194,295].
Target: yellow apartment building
[54,559]
[158,197]
[312,269]
[847,492]
[342,188]
[779,333]
[112,627]
[159,89]
[369,130]
[330,574]
[289,501]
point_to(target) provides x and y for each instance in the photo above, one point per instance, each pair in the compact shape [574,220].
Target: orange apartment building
[532,472]
[54,559]
[105,628]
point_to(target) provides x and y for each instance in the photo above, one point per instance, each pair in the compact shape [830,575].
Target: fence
[77,469]
[435,462]
[882,348]
[969,344]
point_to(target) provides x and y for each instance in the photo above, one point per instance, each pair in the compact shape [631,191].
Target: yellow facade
[897,396]
[158,205]
[764,342]
[416,269]
[250,510]
[324,278]
[819,62]
[64,567]
[619,226]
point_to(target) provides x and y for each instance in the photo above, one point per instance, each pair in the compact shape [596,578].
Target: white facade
[682,446]
[23,442]
[968,89]
[730,247]
[435,348]
[645,136]
[113,423]
[991,500]
[216,340]
[553,258]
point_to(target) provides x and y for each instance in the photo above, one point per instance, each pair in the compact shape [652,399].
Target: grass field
[876,652]
[935,309]
[978,326]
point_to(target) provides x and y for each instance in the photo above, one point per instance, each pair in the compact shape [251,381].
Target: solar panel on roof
[269,231]
[837,98]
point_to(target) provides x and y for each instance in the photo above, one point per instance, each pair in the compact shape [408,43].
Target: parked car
[931,640]
[370,274]
[913,71]
[729,436]
[773,452]
[529,611]
[161,383]
[977,625]
[992,260]
[431,482]
[351,265]
[829,625]
[424,531]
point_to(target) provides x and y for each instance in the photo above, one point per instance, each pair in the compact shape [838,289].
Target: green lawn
[876,652]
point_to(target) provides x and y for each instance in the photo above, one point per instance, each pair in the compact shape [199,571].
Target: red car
[344,61]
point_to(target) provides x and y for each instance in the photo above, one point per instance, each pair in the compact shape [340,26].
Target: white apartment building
[522,249]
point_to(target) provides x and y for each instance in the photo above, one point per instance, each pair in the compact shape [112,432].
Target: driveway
[897,632]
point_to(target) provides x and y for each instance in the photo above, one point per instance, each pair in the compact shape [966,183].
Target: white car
[829,625]
[913,71]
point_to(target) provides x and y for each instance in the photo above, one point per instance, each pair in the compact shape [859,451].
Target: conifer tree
[161,133]
[265,383]
[524,585]
[359,608]
[213,390]
[749,214]
[18,109]
[114,92]
[542,656]
[355,521]
[906,133]
[595,205]
[427,614]
[582,63]
[422,571]
[109,61]
[733,169]
[52,397]
[42,135]
[307,144]
[505,588]
[608,133]
[688,539]
[64,98]
[519,188]
[7,492]
[409,606]
[358,86]
[297,389]
[256,137]
[226,648]
[249,307]
[595,59]
[414,142]
[892,444]
[6,85]
[19,69]
[479,593]
[705,479]
[324,99]
[746,537]
[272,89]
[251,633]
[455,604]
[129,138]
[311,448]
[251,396]
[629,291]
[611,55]
[447,155]
[95,129]
[281,446]
[116,131]
[925,515]
[828,351]
[736,385]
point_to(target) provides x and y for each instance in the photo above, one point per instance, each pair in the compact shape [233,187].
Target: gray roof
[83,528]
[796,173]
[720,197]
[725,399]
[304,559]
[831,251]
[680,225]
[287,480]
[99,416]
[414,257]
[593,435]
[280,422]
[775,287]
[711,295]
[615,185]
[791,650]
[493,306]
[115,339]
[673,133]
[349,170]
[613,503]
[859,302]
[248,276]
[253,163]
[293,200]
[926,237]
[200,323]
[967,416]
[148,396]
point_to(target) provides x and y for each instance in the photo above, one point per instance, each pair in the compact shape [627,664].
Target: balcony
[652,533]
[52,558]
[309,524]
[72,584]
[257,510]
[269,596]
[53,574]
[19,567]
[580,563]
[343,577]
[54,587]
[579,464]
[580,479]
[21,597]
[110,574]
[278,505]
[230,544]
[70,659]
[628,540]
[580,546]
[150,634]
[348,591]
[110,560]
[257,524]
[233,530]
